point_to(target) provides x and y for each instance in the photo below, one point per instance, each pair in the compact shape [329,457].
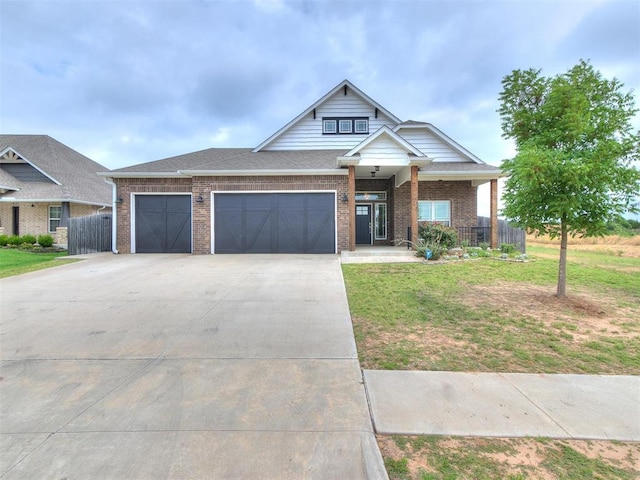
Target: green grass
[398,309]
[466,458]
[16,262]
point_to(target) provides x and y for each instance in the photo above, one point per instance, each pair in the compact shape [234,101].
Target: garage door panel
[258,231]
[275,223]
[163,223]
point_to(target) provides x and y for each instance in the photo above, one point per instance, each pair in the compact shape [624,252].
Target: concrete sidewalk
[180,366]
[505,404]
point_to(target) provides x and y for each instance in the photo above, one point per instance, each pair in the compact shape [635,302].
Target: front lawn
[15,262]
[494,316]
[490,315]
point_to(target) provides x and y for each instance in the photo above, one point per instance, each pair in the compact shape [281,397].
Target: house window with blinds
[435,211]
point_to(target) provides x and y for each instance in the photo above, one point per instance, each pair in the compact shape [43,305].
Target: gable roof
[393,136]
[413,124]
[341,85]
[71,177]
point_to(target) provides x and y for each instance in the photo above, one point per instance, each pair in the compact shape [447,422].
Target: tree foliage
[574,168]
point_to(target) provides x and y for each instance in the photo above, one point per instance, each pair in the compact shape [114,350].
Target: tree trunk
[562,267]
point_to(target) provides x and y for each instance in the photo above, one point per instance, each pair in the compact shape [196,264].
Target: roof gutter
[141,175]
[114,214]
[261,173]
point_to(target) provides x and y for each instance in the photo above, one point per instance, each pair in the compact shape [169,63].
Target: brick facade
[462,195]
[203,186]
[34,218]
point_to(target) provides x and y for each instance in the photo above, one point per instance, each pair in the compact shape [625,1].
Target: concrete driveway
[179,366]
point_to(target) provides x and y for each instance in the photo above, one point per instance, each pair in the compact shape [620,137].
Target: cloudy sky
[126,82]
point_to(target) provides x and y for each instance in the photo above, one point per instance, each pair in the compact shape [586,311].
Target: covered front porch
[386,212]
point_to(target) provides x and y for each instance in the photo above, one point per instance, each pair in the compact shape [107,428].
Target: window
[365,196]
[438,211]
[381,221]
[345,125]
[55,216]
[361,126]
[329,126]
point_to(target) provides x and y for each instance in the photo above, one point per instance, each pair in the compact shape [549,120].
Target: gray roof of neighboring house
[459,167]
[240,159]
[77,174]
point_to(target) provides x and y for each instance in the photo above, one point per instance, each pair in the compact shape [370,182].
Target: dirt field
[614,244]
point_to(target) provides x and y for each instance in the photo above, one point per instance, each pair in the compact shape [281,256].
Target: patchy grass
[488,315]
[16,262]
[431,458]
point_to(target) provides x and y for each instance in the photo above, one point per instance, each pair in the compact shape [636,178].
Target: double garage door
[243,223]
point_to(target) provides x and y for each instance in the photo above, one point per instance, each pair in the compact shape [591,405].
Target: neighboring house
[345,172]
[43,183]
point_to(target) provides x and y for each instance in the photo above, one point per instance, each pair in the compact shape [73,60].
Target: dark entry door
[163,224]
[363,224]
[274,222]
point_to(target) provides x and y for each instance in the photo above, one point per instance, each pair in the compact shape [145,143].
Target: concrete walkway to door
[179,366]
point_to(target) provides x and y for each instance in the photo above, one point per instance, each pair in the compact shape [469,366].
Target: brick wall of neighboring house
[127,186]
[463,197]
[205,185]
[34,217]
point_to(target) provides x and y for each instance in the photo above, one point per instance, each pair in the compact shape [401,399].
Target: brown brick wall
[463,197]
[127,186]
[203,186]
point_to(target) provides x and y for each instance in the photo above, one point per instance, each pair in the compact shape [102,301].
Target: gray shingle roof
[459,167]
[76,173]
[219,159]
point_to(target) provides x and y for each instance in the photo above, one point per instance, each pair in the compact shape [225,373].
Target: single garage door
[163,223]
[274,223]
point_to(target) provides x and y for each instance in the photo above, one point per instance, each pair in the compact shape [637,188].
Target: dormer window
[345,126]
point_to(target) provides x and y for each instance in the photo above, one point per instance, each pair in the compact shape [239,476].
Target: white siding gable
[383,150]
[432,146]
[306,134]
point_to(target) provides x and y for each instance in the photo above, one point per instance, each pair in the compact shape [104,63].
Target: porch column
[494,214]
[414,204]
[352,207]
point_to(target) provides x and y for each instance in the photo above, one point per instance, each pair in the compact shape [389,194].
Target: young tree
[573,170]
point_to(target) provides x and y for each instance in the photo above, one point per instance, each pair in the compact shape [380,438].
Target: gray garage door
[163,224]
[274,223]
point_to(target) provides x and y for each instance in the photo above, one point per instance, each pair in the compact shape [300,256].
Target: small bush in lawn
[28,239]
[434,234]
[14,240]
[483,245]
[4,239]
[45,241]
[507,248]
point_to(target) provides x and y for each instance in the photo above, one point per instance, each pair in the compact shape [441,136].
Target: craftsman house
[43,183]
[345,172]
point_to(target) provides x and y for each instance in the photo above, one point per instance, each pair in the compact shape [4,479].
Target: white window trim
[377,221]
[360,130]
[325,123]
[50,218]
[348,124]
[432,219]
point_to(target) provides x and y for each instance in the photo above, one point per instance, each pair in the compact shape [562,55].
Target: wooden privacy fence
[507,233]
[90,234]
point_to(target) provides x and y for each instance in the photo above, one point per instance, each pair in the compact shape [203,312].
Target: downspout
[114,214]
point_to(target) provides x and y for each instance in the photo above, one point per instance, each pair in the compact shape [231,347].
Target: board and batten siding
[431,146]
[383,149]
[306,134]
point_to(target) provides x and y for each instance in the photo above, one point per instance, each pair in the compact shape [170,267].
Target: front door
[363,224]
